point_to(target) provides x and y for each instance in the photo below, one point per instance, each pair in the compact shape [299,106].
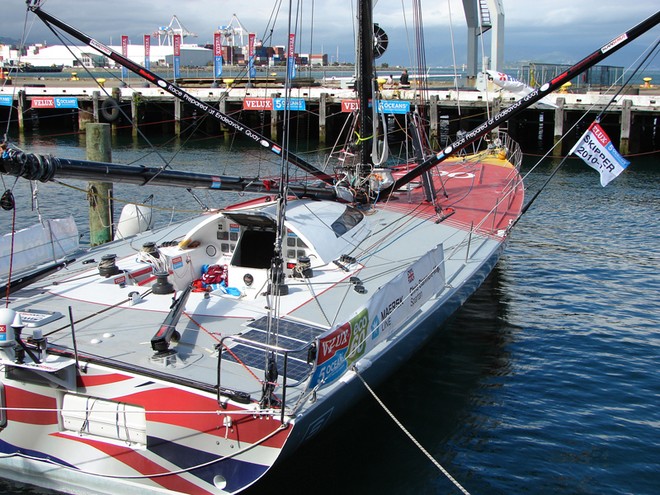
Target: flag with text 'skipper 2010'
[597,151]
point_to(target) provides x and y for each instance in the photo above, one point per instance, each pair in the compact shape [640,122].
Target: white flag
[513,85]
[597,151]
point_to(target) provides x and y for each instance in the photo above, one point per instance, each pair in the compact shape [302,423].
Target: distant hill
[7,41]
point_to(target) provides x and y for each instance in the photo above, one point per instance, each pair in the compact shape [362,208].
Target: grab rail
[310,347]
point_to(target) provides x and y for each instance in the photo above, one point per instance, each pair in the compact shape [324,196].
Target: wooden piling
[323,98]
[135,113]
[99,193]
[85,114]
[222,106]
[273,120]
[21,104]
[559,126]
[116,94]
[434,123]
[96,95]
[626,122]
[634,119]
[177,116]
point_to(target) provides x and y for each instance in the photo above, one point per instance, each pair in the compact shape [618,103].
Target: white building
[84,56]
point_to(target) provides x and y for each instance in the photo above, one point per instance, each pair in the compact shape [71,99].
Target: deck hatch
[292,335]
[84,415]
[301,332]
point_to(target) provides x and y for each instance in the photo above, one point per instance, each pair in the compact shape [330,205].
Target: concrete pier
[632,121]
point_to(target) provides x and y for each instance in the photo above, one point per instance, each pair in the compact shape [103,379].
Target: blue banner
[217,54]
[295,104]
[217,64]
[124,52]
[65,102]
[291,57]
[393,106]
[6,100]
[177,67]
[291,68]
[147,51]
[252,71]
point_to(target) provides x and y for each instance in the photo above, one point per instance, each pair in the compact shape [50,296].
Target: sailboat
[191,359]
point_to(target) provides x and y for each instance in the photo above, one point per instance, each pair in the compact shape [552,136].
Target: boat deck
[116,317]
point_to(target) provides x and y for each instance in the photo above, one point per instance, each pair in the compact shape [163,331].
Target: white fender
[134,219]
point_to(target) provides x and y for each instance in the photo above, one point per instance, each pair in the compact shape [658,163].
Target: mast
[35,7]
[365,80]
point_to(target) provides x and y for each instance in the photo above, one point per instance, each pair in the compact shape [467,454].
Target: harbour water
[545,382]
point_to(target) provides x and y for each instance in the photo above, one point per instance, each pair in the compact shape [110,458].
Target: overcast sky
[557,31]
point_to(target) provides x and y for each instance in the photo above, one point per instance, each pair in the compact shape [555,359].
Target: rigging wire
[407,31]
[21,47]
[483,59]
[59,36]
[196,123]
[422,71]
[453,55]
[276,284]
[646,59]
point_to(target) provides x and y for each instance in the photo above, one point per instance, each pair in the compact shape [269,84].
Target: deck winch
[162,285]
[107,266]
[303,268]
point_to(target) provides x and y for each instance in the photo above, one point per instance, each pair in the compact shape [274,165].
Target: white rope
[409,435]
[246,412]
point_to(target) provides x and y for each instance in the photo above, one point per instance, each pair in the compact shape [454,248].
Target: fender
[110,109]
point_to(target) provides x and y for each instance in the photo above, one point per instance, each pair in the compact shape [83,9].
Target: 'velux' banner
[124,52]
[252,70]
[54,102]
[217,54]
[147,51]
[177,56]
[291,57]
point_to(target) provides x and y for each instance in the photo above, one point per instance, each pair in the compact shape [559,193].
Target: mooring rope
[412,438]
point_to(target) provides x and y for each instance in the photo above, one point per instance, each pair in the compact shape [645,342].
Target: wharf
[632,120]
